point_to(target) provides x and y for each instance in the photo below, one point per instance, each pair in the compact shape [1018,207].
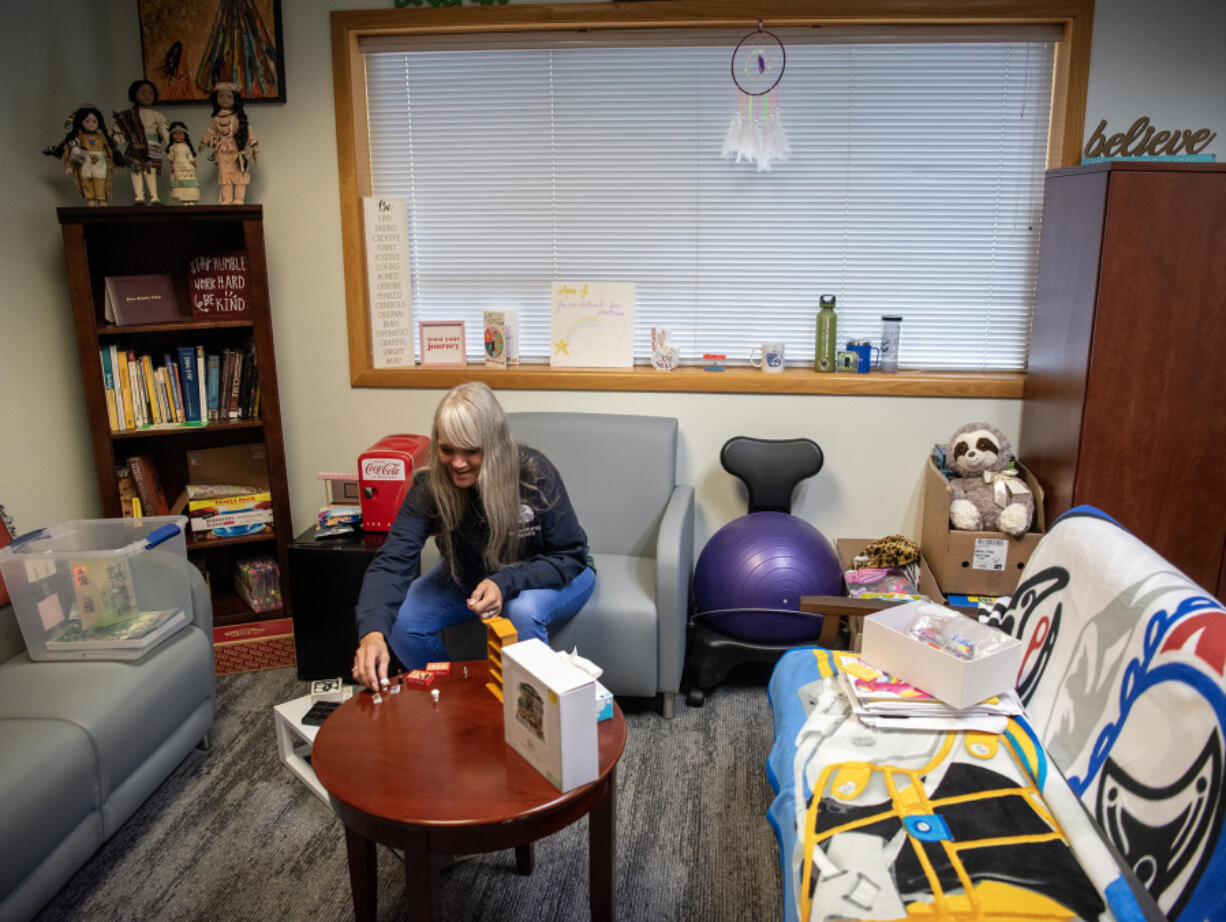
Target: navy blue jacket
[553,545]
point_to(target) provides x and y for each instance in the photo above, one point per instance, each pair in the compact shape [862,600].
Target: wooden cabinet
[1124,400]
[135,240]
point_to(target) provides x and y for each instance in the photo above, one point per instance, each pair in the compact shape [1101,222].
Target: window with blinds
[914,186]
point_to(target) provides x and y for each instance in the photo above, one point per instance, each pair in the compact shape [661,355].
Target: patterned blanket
[1123,681]
[888,824]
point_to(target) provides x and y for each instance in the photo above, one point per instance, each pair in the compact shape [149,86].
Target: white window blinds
[914,186]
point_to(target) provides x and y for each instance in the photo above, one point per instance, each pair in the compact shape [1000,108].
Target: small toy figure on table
[144,134]
[181,156]
[88,154]
[233,142]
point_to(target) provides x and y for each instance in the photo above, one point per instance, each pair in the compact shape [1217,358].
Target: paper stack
[883,700]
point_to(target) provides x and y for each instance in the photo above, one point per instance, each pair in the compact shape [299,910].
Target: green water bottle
[827,323]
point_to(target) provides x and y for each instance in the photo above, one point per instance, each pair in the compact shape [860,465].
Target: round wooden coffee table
[438,780]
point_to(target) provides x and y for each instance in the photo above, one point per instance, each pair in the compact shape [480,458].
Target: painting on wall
[189,46]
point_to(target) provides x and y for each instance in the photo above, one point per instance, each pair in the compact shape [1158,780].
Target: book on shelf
[219,286]
[148,485]
[124,383]
[151,389]
[140,400]
[212,385]
[227,381]
[166,389]
[174,388]
[108,388]
[127,490]
[133,299]
[190,384]
[202,398]
[241,387]
[165,406]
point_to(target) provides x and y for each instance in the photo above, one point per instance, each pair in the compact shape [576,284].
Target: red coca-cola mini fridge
[385,473]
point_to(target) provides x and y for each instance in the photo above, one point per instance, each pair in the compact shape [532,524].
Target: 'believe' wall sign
[1142,141]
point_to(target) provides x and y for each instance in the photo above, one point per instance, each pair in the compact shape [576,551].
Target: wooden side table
[437,779]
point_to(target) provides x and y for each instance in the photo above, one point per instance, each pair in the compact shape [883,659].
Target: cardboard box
[549,714]
[847,549]
[245,511]
[974,562]
[959,683]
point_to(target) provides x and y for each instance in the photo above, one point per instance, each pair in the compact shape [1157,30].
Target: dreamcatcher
[756,133]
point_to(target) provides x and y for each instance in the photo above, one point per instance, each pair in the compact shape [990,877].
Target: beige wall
[56,55]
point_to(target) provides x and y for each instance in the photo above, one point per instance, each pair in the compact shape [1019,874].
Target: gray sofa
[84,743]
[621,474]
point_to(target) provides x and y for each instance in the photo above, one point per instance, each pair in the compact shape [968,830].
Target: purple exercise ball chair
[752,572]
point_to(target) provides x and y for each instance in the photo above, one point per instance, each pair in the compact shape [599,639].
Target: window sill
[691,379]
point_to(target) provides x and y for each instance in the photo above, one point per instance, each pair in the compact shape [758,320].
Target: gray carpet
[232,835]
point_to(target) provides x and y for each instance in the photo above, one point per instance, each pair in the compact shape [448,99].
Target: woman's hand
[370,662]
[486,600]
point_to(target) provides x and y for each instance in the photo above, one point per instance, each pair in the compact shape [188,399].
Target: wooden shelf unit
[143,240]
[1123,397]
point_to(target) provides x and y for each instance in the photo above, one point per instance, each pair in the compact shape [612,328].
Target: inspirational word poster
[219,286]
[388,281]
[592,324]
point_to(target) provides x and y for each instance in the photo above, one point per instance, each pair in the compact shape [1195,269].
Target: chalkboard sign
[219,286]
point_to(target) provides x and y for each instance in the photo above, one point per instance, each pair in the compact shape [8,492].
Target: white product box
[549,713]
[959,683]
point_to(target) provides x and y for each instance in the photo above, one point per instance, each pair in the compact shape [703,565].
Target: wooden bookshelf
[146,240]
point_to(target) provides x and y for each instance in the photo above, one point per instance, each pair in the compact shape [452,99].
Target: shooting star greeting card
[592,324]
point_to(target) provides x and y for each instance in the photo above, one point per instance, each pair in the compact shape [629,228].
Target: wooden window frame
[1075,17]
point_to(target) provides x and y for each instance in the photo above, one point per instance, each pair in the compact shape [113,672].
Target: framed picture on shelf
[442,344]
[189,46]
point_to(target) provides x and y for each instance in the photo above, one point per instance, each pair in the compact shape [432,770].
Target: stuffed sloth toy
[986,493]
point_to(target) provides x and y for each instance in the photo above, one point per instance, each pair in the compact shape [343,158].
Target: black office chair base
[713,655]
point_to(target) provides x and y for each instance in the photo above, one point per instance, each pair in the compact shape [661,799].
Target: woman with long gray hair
[510,542]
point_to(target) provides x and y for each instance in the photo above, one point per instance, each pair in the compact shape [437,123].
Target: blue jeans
[434,602]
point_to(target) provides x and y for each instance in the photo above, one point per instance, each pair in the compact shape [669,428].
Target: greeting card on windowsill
[592,325]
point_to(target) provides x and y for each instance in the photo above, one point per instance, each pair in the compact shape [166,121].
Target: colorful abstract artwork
[189,46]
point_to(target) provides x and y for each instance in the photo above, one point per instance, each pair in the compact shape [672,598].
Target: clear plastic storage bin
[99,588]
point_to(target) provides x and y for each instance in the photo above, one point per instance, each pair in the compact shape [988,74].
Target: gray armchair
[621,474]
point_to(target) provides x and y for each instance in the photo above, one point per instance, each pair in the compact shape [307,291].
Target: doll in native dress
[181,158]
[233,141]
[88,154]
[142,131]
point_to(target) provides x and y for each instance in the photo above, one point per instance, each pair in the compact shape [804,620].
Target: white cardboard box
[959,683]
[549,713]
